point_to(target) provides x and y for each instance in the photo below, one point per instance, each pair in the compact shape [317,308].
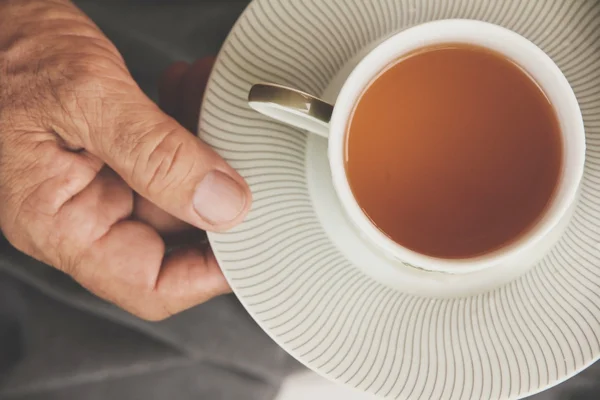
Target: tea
[454,151]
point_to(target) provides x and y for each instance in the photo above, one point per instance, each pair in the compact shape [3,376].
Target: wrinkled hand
[79,141]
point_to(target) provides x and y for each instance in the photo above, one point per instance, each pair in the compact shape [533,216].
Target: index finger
[128,266]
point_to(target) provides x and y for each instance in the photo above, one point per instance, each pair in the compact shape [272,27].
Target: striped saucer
[337,305]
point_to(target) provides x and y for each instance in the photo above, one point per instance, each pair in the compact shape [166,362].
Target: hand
[79,141]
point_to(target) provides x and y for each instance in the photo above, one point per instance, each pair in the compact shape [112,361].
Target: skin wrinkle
[173,161]
[84,115]
[26,187]
[51,244]
[42,206]
[156,158]
[140,157]
[150,160]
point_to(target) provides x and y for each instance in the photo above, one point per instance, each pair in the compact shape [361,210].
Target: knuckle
[153,314]
[64,82]
[92,70]
[98,61]
[80,76]
[74,82]
[32,197]
[150,304]
[89,91]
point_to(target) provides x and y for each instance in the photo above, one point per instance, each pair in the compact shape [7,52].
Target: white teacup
[307,112]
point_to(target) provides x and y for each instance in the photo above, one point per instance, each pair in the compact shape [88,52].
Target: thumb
[172,168]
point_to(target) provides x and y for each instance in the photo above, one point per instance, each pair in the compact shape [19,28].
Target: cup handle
[292,107]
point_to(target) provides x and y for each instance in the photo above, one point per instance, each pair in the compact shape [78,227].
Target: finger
[169,87]
[126,266]
[163,222]
[190,276]
[36,179]
[173,82]
[173,231]
[85,233]
[161,161]
[192,87]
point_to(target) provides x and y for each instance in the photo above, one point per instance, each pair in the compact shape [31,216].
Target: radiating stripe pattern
[504,344]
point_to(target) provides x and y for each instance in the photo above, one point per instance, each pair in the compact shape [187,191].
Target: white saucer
[333,302]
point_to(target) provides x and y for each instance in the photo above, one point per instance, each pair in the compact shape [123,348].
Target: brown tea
[454,151]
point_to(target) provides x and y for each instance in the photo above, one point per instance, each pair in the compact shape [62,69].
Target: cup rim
[341,116]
